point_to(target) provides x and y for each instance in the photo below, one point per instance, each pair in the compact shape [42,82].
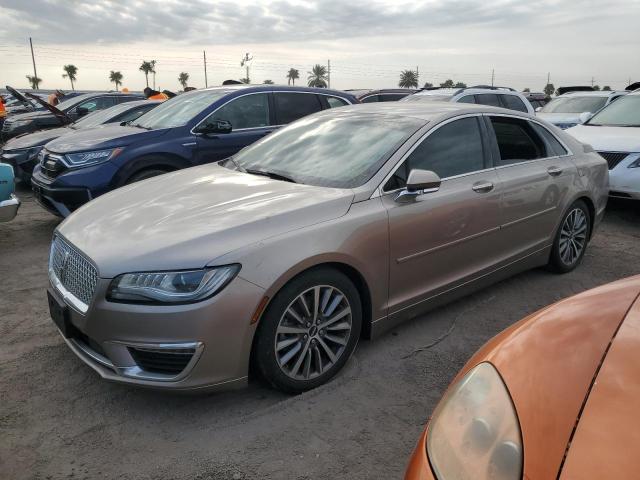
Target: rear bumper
[9,208]
[59,201]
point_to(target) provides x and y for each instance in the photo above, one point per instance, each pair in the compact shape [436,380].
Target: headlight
[34,152]
[635,163]
[171,287]
[85,159]
[474,433]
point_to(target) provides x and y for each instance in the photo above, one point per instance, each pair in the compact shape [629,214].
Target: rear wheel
[309,331]
[144,174]
[571,239]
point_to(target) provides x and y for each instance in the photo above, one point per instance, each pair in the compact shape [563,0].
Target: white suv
[614,132]
[571,109]
[502,97]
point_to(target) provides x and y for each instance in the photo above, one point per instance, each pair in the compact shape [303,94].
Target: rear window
[513,103]
[556,148]
[517,140]
[488,99]
[336,102]
[370,99]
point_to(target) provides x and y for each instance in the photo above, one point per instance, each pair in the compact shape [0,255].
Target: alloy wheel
[573,236]
[313,332]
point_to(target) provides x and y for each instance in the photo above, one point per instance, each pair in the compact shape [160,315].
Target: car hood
[38,114]
[608,434]
[188,218]
[559,117]
[548,362]
[608,139]
[98,138]
[36,139]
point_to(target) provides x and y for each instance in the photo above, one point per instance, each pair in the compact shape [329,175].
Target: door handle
[554,171]
[482,187]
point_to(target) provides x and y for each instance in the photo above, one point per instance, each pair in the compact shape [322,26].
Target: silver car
[334,228]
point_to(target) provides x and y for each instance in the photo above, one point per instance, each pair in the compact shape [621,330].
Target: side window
[488,99]
[517,140]
[467,99]
[453,149]
[556,147]
[391,97]
[99,103]
[292,106]
[336,102]
[249,111]
[370,99]
[513,103]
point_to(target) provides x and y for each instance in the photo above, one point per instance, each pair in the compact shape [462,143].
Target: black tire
[144,174]
[330,282]
[560,261]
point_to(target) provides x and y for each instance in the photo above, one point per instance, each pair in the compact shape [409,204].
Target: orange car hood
[607,439]
[549,360]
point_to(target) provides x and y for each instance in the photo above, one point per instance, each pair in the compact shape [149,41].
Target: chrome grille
[51,165]
[613,158]
[74,272]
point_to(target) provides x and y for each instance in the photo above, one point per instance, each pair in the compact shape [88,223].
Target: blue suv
[197,127]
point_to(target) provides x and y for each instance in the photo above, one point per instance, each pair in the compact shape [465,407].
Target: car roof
[595,93]
[281,88]
[427,111]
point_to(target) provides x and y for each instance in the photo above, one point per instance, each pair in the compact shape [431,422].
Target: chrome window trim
[379,190]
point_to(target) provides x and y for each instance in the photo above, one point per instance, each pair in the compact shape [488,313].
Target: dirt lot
[58,419]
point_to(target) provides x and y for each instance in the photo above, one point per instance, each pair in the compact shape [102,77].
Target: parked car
[384,95]
[9,203]
[537,99]
[64,113]
[574,107]
[196,127]
[22,151]
[553,396]
[18,103]
[615,133]
[338,226]
[482,94]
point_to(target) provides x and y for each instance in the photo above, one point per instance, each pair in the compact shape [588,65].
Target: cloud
[199,22]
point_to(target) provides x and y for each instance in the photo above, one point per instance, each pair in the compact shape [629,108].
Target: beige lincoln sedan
[337,227]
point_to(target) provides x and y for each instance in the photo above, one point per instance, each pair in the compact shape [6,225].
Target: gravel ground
[58,419]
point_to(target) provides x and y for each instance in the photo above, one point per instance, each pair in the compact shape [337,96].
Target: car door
[535,172]
[250,118]
[439,239]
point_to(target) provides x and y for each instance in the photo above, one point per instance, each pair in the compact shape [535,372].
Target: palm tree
[292,76]
[153,70]
[34,81]
[147,68]
[70,73]
[183,78]
[115,77]
[268,82]
[317,76]
[245,80]
[408,79]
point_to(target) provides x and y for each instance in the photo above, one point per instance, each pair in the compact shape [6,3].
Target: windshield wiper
[274,175]
[239,168]
[137,125]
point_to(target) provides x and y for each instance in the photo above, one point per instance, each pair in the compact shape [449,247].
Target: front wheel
[571,240]
[309,331]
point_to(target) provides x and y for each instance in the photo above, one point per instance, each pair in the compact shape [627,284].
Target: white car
[614,132]
[573,108]
[502,97]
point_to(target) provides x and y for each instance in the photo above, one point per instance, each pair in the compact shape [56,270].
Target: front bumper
[122,341]
[22,162]
[624,182]
[419,468]
[57,200]
[9,208]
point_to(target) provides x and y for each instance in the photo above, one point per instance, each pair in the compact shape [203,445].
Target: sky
[368,43]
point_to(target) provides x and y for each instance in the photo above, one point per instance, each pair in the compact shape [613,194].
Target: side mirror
[538,109]
[585,117]
[81,111]
[215,126]
[420,182]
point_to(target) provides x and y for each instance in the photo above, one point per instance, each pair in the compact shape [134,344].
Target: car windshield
[574,104]
[338,150]
[101,116]
[426,98]
[177,111]
[624,112]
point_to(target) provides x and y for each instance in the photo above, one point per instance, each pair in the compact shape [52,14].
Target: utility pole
[493,75]
[329,73]
[548,78]
[245,61]
[204,55]
[33,59]
[592,81]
